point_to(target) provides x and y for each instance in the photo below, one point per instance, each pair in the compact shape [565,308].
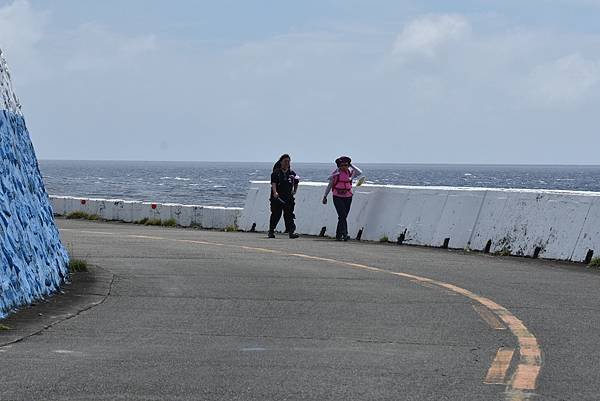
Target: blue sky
[385,81]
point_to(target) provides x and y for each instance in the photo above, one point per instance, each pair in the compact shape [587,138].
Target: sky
[390,81]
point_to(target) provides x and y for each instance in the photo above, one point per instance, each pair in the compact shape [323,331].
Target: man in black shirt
[284,184]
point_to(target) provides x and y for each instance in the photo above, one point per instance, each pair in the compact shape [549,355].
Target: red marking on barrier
[83,201]
[153,206]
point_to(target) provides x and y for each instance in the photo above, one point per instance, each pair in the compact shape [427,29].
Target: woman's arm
[328,189]
[274,190]
[356,171]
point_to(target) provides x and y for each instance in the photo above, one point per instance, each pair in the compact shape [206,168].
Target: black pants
[287,208]
[342,206]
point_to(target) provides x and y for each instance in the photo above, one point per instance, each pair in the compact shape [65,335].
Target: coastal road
[177,314]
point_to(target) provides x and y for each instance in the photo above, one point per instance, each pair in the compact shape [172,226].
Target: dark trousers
[342,206]
[287,209]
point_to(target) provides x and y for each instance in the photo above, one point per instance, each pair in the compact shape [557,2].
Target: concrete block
[523,221]
[589,236]
[383,214]
[58,205]
[256,209]
[458,218]
[155,211]
[136,210]
[311,214]
[219,217]
[421,214]
[182,214]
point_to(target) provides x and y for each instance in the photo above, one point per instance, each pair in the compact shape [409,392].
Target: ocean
[226,184]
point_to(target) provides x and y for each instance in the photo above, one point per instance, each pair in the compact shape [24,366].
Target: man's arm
[296,182]
[274,180]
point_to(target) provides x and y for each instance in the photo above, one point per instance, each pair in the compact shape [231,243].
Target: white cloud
[286,54]
[95,47]
[566,80]
[446,77]
[425,36]
[21,29]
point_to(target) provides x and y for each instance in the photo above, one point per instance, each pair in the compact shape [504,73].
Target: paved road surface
[174,314]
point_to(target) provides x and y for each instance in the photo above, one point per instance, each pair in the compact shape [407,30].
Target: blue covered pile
[33,262]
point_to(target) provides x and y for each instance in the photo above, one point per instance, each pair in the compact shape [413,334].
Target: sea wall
[562,225]
[33,262]
[211,217]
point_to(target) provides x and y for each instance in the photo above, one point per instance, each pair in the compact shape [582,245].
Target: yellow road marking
[500,365]
[523,381]
[426,285]
[525,377]
[489,317]
[195,242]
[145,237]
[88,232]
[251,248]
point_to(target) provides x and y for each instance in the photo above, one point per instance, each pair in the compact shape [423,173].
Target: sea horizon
[331,162]
[226,183]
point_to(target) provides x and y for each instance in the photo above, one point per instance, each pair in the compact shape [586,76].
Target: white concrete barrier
[562,225]
[210,217]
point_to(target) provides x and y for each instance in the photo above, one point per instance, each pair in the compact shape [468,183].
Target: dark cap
[343,159]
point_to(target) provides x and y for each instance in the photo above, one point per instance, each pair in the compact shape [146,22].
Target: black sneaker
[339,238]
[271,234]
[294,236]
[346,238]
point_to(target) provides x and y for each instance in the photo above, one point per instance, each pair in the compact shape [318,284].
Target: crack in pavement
[67,317]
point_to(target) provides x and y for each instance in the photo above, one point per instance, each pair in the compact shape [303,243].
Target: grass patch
[231,229]
[78,215]
[157,222]
[384,239]
[82,216]
[78,265]
[503,252]
[4,327]
[595,262]
[169,223]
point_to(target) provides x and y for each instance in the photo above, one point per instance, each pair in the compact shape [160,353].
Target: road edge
[85,291]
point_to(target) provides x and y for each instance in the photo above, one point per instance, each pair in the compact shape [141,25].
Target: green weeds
[595,263]
[77,265]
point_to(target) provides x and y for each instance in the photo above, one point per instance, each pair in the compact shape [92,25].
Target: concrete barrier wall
[561,225]
[211,217]
[33,262]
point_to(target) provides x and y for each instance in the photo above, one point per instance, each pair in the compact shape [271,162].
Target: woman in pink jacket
[340,183]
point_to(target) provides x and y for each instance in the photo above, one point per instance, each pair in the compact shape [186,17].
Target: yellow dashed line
[500,365]
[488,317]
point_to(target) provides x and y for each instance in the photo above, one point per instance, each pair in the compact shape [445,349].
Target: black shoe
[271,234]
[294,236]
[346,238]
[339,238]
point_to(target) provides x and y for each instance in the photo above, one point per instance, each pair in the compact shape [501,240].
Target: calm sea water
[225,184]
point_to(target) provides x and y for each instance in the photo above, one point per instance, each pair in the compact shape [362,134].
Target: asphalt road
[175,314]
